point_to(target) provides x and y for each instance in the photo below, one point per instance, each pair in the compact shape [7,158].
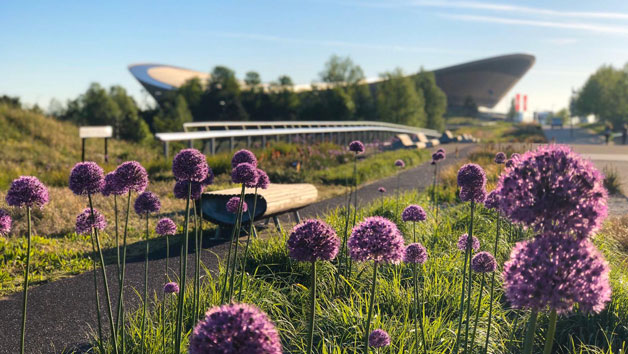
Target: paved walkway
[61,313]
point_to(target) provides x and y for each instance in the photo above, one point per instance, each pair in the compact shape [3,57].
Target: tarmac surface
[61,315]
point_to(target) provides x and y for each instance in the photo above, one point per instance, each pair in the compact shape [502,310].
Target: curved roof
[486,81]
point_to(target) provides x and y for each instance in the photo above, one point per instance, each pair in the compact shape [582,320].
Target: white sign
[96,132]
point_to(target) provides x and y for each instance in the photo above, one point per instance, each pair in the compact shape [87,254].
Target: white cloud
[588,27]
[561,41]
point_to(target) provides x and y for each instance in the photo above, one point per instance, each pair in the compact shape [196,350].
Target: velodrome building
[486,81]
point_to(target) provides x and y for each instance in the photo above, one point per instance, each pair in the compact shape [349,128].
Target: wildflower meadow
[516,260]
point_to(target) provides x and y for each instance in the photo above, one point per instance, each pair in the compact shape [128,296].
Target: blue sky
[55,49]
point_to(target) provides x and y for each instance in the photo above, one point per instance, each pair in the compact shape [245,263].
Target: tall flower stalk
[436,157]
[312,241]
[188,165]
[482,263]
[358,148]
[166,228]
[375,239]
[416,254]
[400,164]
[29,192]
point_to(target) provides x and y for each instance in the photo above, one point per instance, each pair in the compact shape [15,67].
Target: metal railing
[338,134]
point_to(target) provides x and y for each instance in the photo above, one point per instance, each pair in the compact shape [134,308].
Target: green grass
[503,132]
[279,286]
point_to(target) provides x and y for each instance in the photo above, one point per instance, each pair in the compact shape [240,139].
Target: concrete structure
[485,81]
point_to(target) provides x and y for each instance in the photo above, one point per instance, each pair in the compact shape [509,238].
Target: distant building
[485,81]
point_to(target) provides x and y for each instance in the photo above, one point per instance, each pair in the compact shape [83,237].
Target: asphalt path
[61,313]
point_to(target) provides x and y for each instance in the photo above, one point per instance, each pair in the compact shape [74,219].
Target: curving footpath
[61,313]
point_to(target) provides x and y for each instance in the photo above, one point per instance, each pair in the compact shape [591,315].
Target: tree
[364,102]
[563,114]
[605,94]
[339,70]
[435,99]
[283,103]
[222,100]
[128,124]
[172,115]
[512,111]
[192,92]
[398,102]
[252,79]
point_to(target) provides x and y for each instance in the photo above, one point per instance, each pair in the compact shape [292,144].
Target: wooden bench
[276,200]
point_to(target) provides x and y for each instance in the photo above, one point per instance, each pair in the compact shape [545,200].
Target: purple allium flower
[209,179]
[471,176]
[356,146]
[131,176]
[246,174]
[376,239]
[242,156]
[413,213]
[27,191]
[262,179]
[235,328]
[234,203]
[166,227]
[86,178]
[181,190]
[500,158]
[400,164]
[470,194]
[557,272]
[514,158]
[492,200]
[84,223]
[190,165]
[415,253]
[462,243]
[313,240]
[379,339]
[171,288]
[381,190]
[147,203]
[432,162]
[112,185]
[438,155]
[443,152]
[5,222]
[483,262]
[552,189]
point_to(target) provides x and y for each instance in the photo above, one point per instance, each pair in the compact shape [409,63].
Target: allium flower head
[235,329]
[514,159]
[500,158]
[147,203]
[209,179]
[438,155]
[483,262]
[262,179]
[27,191]
[376,239]
[552,189]
[313,240]
[242,156]
[379,339]
[171,288]
[492,200]
[381,190]
[86,178]
[471,176]
[400,164]
[557,272]
[245,173]
[181,190]
[234,203]
[462,243]
[131,176]
[190,165]
[356,146]
[85,223]
[415,253]
[5,222]
[166,227]
[472,194]
[413,213]
[112,185]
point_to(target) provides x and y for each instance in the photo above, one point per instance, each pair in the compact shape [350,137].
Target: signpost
[105,132]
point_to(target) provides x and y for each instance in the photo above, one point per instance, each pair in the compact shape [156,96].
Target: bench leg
[267,221]
[277,223]
[297,217]
[254,232]
[217,234]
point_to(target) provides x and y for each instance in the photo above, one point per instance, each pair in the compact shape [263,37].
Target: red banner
[517,102]
[525,103]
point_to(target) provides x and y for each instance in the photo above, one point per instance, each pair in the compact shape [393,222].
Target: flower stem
[470,282]
[343,255]
[246,248]
[115,213]
[490,302]
[551,331]
[197,269]
[416,312]
[355,203]
[467,259]
[184,265]
[104,277]
[26,271]
[370,313]
[97,297]
[477,315]
[120,318]
[145,300]
[310,338]
[237,241]
[528,342]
